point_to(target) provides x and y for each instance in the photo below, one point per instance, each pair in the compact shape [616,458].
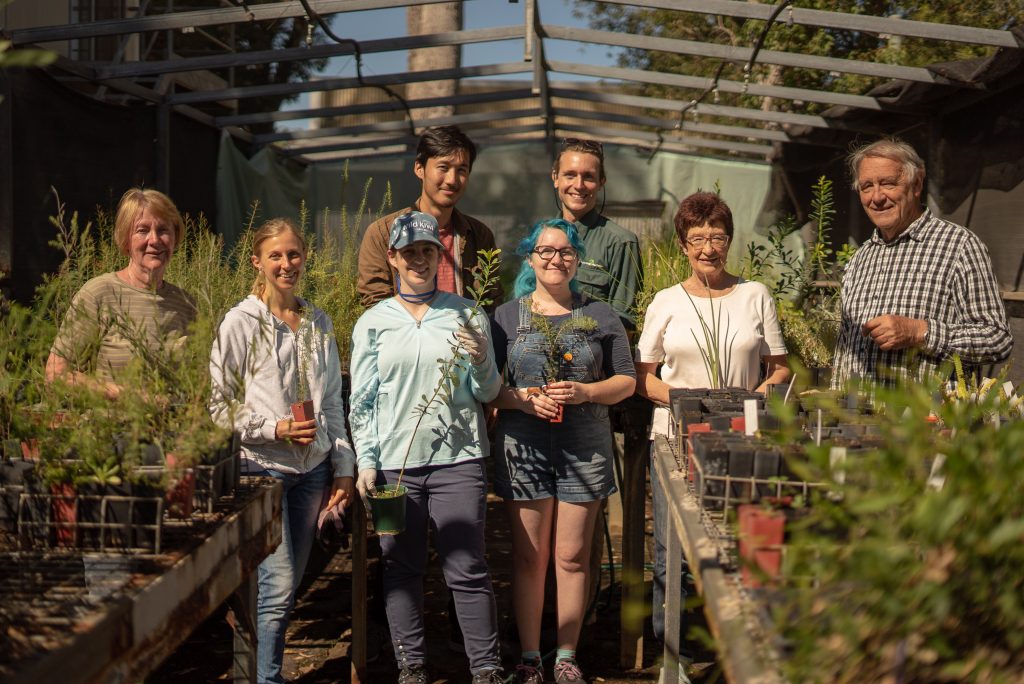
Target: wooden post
[6,178]
[357,654]
[634,505]
[243,620]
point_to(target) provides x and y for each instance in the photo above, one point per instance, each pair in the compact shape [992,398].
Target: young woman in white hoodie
[264,343]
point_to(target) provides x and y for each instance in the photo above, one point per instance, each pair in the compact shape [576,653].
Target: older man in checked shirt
[921,289]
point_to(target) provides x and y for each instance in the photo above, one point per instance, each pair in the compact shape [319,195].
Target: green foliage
[716,363]
[912,569]
[556,354]
[805,287]
[664,266]
[331,276]
[166,388]
[810,40]
[24,57]
[822,213]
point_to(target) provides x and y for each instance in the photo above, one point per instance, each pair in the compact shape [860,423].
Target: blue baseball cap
[414,226]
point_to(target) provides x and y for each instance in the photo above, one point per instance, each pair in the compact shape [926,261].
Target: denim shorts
[571,460]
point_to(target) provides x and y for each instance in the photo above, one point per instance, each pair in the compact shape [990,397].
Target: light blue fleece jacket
[394,364]
[254,367]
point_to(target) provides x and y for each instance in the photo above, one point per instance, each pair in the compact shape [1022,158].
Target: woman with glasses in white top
[748,335]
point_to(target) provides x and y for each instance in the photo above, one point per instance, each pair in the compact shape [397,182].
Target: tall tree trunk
[434,19]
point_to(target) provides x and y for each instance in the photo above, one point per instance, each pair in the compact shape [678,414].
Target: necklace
[416,298]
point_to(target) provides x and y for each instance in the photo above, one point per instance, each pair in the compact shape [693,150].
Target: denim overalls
[571,460]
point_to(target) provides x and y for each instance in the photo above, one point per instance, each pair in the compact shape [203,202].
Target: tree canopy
[788,37]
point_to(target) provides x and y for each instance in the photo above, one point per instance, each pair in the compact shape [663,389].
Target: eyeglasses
[548,253]
[717,241]
[583,145]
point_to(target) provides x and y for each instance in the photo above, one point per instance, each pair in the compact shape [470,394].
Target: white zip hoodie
[254,368]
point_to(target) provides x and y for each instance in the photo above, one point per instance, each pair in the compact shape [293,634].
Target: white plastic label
[749,417]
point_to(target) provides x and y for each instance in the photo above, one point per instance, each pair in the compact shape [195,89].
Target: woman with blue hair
[565,358]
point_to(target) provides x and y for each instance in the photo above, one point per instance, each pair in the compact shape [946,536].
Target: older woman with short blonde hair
[114,313]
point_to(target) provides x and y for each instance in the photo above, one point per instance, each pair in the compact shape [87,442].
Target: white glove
[474,342]
[366,481]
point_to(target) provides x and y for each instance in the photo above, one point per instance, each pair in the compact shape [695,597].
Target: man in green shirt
[610,270]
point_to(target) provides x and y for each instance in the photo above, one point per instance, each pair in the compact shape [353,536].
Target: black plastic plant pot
[720,423]
[90,513]
[14,472]
[682,402]
[741,464]
[766,466]
[131,519]
[714,464]
[387,506]
[9,496]
[10,449]
[32,514]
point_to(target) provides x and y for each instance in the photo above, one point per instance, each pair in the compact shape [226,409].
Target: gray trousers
[454,498]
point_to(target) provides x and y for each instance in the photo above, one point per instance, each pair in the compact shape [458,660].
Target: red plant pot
[761,533]
[64,513]
[691,465]
[738,424]
[30,449]
[303,411]
[181,491]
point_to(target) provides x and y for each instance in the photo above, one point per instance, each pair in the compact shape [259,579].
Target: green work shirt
[610,271]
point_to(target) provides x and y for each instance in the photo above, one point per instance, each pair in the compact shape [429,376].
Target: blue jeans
[280,573]
[661,530]
[454,498]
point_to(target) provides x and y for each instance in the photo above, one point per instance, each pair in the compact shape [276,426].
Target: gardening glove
[474,342]
[366,482]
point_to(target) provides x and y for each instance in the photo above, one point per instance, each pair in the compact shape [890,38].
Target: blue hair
[526,280]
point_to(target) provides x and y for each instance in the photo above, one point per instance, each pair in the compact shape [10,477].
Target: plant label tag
[836,462]
[750,417]
[936,479]
[1008,389]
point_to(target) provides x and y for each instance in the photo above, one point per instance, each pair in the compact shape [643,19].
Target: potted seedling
[388,501]
[302,410]
[558,348]
[101,479]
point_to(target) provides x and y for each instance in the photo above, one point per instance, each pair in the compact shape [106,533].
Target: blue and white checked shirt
[934,270]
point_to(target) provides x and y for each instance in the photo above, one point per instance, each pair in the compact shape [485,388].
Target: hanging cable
[749,66]
[357,49]
[713,88]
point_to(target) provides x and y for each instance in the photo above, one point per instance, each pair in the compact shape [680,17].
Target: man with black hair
[444,159]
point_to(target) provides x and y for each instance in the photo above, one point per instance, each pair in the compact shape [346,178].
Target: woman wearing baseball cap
[395,350]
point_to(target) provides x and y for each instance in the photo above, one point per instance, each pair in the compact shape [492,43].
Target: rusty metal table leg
[243,621]
[634,499]
[359,594]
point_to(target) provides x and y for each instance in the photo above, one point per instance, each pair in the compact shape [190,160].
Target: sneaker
[568,671]
[492,676]
[528,674]
[412,674]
